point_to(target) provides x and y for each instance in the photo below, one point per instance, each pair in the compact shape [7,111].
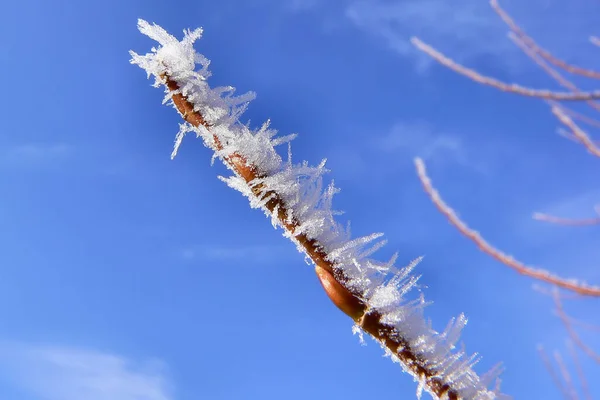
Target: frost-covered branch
[579,133]
[566,221]
[536,273]
[532,44]
[566,321]
[585,389]
[372,293]
[505,87]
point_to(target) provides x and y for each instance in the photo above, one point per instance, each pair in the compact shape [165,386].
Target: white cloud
[65,373]
[419,139]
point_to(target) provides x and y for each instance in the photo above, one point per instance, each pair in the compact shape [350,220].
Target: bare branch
[539,274]
[566,221]
[572,393]
[548,365]
[583,118]
[568,135]
[577,131]
[546,55]
[552,72]
[580,373]
[506,87]
[570,330]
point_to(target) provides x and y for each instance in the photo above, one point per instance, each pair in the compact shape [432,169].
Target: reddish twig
[580,374]
[506,87]
[566,221]
[570,387]
[548,365]
[552,72]
[546,55]
[570,330]
[475,237]
[583,118]
[587,142]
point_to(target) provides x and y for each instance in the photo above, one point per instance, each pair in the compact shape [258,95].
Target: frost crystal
[300,187]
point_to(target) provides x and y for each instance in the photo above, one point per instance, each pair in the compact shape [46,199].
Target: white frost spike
[357,330]
[308,204]
[183,129]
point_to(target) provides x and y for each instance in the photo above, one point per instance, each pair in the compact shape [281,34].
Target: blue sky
[129,276]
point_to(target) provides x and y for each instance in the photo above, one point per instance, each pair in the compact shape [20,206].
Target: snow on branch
[372,293]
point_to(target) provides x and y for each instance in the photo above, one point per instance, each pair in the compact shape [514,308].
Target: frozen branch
[566,221]
[579,370]
[581,117]
[587,142]
[475,237]
[548,365]
[506,87]
[571,392]
[566,321]
[552,72]
[372,293]
[546,55]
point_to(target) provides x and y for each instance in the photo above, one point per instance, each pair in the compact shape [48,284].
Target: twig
[580,373]
[582,137]
[539,274]
[572,333]
[506,87]
[548,365]
[566,221]
[546,55]
[587,142]
[583,118]
[568,135]
[552,72]
[572,393]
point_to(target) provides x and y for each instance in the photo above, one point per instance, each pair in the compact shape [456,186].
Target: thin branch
[570,387]
[546,55]
[584,325]
[539,274]
[548,365]
[577,131]
[583,118]
[506,87]
[570,330]
[552,72]
[580,373]
[582,137]
[566,221]
[568,135]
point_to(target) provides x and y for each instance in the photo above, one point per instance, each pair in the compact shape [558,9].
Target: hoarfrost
[309,202]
